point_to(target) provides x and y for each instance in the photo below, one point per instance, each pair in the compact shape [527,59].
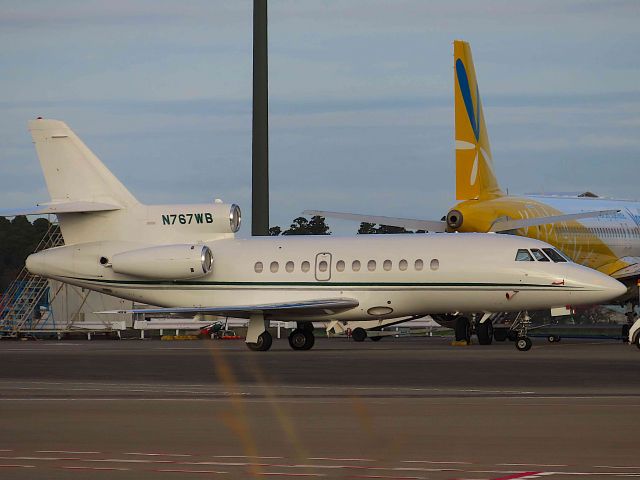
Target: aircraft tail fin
[475,177]
[71,171]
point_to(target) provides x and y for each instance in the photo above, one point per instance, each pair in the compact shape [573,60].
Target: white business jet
[185,259]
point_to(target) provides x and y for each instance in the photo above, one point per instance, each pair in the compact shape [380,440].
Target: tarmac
[403,408]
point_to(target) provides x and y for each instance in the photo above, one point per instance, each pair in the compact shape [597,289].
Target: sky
[361,98]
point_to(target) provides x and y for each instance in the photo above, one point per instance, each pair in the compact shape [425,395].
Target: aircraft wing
[410,223]
[307,307]
[504,225]
[60,207]
[629,268]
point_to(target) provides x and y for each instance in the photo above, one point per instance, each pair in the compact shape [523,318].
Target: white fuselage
[398,275]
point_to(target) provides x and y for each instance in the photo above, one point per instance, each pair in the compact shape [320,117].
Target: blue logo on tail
[474,113]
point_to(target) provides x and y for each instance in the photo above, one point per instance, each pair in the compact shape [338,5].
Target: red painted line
[518,475]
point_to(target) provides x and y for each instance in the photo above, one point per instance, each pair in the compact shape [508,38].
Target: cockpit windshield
[541,255]
[554,255]
[523,256]
[538,255]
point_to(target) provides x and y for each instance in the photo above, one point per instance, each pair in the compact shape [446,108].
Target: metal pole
[260,133]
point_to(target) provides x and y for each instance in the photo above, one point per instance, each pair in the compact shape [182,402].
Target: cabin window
[258,267]
[305,266]
[371,265]
[323,265]
[289,267]
[274,267]
[403,264]
[355,266]
[435,264]
[418,264]
[523,255]
[340,265]
[387,265]
[554,255]
[538,255]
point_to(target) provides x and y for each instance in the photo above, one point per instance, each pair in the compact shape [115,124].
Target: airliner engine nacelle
[164,262]
[454,219]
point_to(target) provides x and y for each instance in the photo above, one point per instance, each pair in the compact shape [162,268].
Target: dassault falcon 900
[603,234]
[186,259]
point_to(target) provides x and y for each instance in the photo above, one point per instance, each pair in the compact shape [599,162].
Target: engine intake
[165,262]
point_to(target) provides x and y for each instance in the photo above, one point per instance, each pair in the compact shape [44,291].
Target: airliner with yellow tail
[600,233]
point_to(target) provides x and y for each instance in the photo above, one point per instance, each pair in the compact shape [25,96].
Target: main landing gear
[260,340]
[302,338]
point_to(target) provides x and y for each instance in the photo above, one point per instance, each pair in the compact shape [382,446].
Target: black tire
[625,332]
[551,338]
[463,330]
[637,342]
[485,333]
[359,334]
[500,334]
[375,339]
[263,344]
[523,344]
[298,339]
[306,326]
[310,340]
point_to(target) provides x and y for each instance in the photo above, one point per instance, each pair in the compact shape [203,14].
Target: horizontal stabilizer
[310,307]
[409,223]
[60,207]
[505,225]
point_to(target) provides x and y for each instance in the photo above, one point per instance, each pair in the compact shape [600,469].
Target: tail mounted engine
[164,262]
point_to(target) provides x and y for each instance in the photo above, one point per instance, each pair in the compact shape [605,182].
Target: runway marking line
[159,454]
[119,469]
[68,451]
[335,459]
[387,477]
[522,475]
[435,462]
[179,470]
[17,466]
[283,474]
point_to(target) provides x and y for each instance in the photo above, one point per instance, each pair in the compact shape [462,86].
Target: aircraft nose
[599,287]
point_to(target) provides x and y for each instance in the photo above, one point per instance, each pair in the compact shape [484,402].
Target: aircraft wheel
[500,334]
[553,338]
[485,333]
[310,340]
[359,334]
[263,344]
[297,339]
[463,330]
[625,332]
[375,339]
[523,344]
[638,340]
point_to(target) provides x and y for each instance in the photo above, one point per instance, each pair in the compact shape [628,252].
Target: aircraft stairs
[20,303]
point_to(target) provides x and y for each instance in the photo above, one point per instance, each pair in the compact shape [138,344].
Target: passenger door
[323,267]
